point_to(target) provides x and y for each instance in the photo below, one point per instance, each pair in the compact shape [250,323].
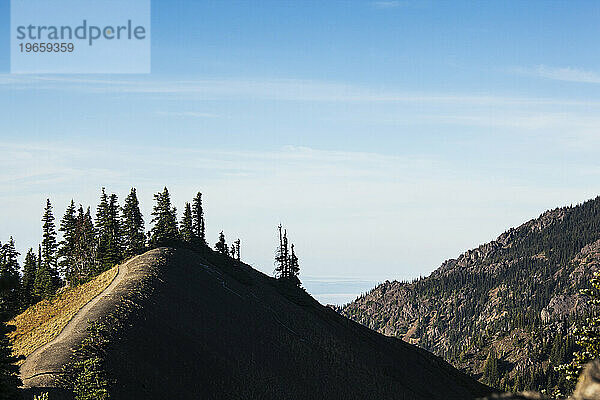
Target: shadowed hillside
[211,327]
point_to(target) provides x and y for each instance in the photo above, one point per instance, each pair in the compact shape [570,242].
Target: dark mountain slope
[512,299]
[214,328]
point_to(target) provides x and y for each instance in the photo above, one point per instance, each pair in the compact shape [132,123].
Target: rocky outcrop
[511,297]
[588,387]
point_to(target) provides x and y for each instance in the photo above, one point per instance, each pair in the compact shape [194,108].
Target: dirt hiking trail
[43,367]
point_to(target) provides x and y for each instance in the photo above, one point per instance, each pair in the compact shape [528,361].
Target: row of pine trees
[91,245]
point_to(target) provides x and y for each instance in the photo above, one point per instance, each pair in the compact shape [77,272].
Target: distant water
[336,291]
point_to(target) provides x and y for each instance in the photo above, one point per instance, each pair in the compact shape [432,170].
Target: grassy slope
[42,322]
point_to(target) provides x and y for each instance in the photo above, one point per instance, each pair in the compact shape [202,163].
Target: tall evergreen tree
[9,372]
[84,263]
[198,219]
[108,225]
[164,218]
[43,286]
[66,248]
[9,379]
[134,239]
[237,249]
[115,250]
[281,257]
[491,375]
[286,262]
[221,245]
[47,280]
[9,274]
[27,281]
[294,265]
[102,231]
[186,227]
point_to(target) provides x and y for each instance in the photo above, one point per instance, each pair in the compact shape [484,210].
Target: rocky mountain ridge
[508,303]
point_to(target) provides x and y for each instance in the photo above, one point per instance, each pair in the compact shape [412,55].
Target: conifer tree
[9,379]
[103,231]
[221,245]
[47,280]
[198,219]
[115,250]
[491,375]
[108,226]
[287,266]
[134,239]
[294,265]
[164,218]
[66,248]
[43,286]
[28,279]
[281,258]
[84,263]
[39,258]
[9,274]
[187,231]
[237,249]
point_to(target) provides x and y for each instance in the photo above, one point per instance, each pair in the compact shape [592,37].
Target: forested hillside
[503,311]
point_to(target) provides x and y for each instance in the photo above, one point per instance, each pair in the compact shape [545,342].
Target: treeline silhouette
[90,245]
[286,261]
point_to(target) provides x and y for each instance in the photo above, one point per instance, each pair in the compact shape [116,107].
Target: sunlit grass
[42,322]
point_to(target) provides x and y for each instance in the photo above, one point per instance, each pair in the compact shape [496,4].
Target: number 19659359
[47,47]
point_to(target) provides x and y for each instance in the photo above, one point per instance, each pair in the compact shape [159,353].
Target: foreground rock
[588,387]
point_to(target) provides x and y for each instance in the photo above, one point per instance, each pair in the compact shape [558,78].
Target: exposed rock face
[513,295]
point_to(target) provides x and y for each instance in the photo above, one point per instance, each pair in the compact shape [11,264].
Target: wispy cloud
[567,74]
[276,89]
[387,4]
[549,122]
[188,114]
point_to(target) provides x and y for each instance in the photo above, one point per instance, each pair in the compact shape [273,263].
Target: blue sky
[387,135]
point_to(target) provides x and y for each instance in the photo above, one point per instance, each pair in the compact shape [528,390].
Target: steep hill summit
[185,324]
[502,311]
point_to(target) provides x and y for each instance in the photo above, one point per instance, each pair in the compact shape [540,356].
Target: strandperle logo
[85,31]
[80,36]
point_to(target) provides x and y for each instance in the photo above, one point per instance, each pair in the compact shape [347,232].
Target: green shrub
[90,382]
